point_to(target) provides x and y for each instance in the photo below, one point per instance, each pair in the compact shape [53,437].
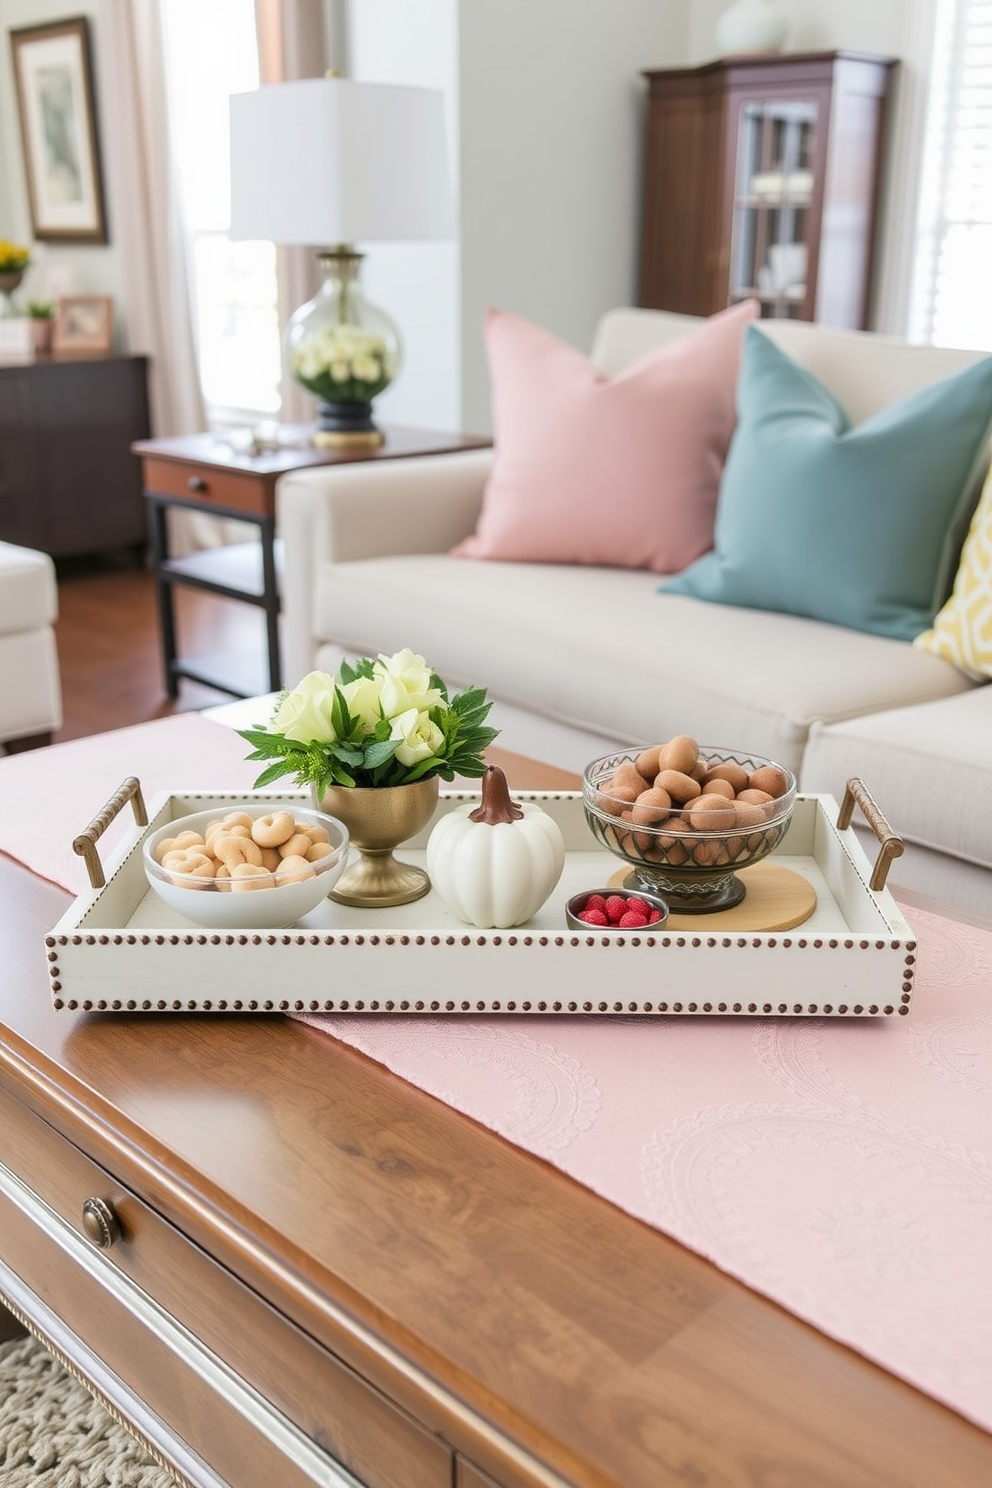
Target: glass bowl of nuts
[254,867]
[685,816]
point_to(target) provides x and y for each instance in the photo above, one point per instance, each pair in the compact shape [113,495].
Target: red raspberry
[593,917]
[639,906]
[615,906]
[595,901]
[632,921]
[654,916]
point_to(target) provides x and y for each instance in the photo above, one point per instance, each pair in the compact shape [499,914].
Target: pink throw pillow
[620,471]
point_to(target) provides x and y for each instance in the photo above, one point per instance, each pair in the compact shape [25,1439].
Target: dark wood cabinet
[69,483]
[762,178]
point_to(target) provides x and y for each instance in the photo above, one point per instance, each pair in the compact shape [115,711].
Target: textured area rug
[54,1434]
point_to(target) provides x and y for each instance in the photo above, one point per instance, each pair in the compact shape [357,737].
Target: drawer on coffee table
[329,1403]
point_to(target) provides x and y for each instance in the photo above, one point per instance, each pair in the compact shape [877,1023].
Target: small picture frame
[83,323]
[53,75]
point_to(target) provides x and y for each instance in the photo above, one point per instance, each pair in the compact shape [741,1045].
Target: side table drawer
[204,483]
[326,1400]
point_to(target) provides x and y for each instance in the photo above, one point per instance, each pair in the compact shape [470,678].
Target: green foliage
[360,756]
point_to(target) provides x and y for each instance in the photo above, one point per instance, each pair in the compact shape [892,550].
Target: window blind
[952,293]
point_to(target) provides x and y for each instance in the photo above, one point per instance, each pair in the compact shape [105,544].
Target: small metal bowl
[578,902]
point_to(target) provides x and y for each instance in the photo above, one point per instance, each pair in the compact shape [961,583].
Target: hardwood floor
[109,652]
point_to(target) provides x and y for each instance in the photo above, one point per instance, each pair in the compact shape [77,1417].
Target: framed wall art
[54,79]
[83,323]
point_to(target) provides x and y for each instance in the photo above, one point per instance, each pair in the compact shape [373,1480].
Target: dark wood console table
[318,1274]
[203,473]
[69,483]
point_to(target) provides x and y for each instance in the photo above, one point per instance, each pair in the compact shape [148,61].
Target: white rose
[421,737]
[340,371]
[405,682]
[304,714]
[366,368]
[362,697]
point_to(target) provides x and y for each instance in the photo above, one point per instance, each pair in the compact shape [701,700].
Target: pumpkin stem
[496,806]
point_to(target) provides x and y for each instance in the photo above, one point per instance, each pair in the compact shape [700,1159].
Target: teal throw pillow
[860,526]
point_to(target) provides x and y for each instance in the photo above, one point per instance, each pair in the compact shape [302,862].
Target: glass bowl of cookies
[685,817]
[254,867]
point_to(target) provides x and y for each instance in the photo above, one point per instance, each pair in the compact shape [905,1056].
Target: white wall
[551,127]
[814,25]
[56,267]
[418,284]
[545,119]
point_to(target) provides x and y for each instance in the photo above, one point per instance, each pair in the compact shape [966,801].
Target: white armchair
[30,686]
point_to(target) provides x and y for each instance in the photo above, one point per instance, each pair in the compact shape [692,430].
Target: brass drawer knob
[100,1223]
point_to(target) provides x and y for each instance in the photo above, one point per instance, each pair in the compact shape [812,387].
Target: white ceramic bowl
[204,902]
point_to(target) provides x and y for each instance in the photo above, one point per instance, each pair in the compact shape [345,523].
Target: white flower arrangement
[378,722]
[342,363]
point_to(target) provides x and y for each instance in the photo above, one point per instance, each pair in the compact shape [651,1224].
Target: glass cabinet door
[773,188]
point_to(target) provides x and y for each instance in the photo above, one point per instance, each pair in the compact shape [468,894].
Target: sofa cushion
[601,650]
[859,526]
[28,590]
[962,631]
[597,470]
[929,768]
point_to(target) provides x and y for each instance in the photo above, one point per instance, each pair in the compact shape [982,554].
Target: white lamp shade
[329,160]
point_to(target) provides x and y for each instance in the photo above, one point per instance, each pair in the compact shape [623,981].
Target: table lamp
[329,162]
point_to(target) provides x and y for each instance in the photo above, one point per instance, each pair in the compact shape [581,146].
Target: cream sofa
[581,658]
[30,686]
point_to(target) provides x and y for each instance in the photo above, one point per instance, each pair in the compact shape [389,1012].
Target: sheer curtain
[951,303]
[147,227]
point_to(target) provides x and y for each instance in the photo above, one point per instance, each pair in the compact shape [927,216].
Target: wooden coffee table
[316,1273]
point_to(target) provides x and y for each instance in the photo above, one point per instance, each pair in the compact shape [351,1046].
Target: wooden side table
[202,472]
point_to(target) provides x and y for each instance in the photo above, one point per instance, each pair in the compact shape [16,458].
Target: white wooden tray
[118,947]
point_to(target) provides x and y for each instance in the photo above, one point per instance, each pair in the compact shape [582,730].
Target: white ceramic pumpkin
[494,865]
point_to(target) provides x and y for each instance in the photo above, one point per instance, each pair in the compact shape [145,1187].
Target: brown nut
[771,779]
[748,813]
[680,753]
[616,797]
[680,787]
[651,806]
[647,762]
[628,774]
[712,814]
[736,775]
[718,787]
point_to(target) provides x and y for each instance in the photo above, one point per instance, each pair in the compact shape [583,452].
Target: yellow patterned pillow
[962,630]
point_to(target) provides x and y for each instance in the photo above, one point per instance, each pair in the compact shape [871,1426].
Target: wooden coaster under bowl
[777,898]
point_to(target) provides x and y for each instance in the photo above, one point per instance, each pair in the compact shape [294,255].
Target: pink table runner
[48,796]
[843,1168]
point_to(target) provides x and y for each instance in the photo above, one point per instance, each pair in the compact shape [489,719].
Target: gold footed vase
[378,820]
